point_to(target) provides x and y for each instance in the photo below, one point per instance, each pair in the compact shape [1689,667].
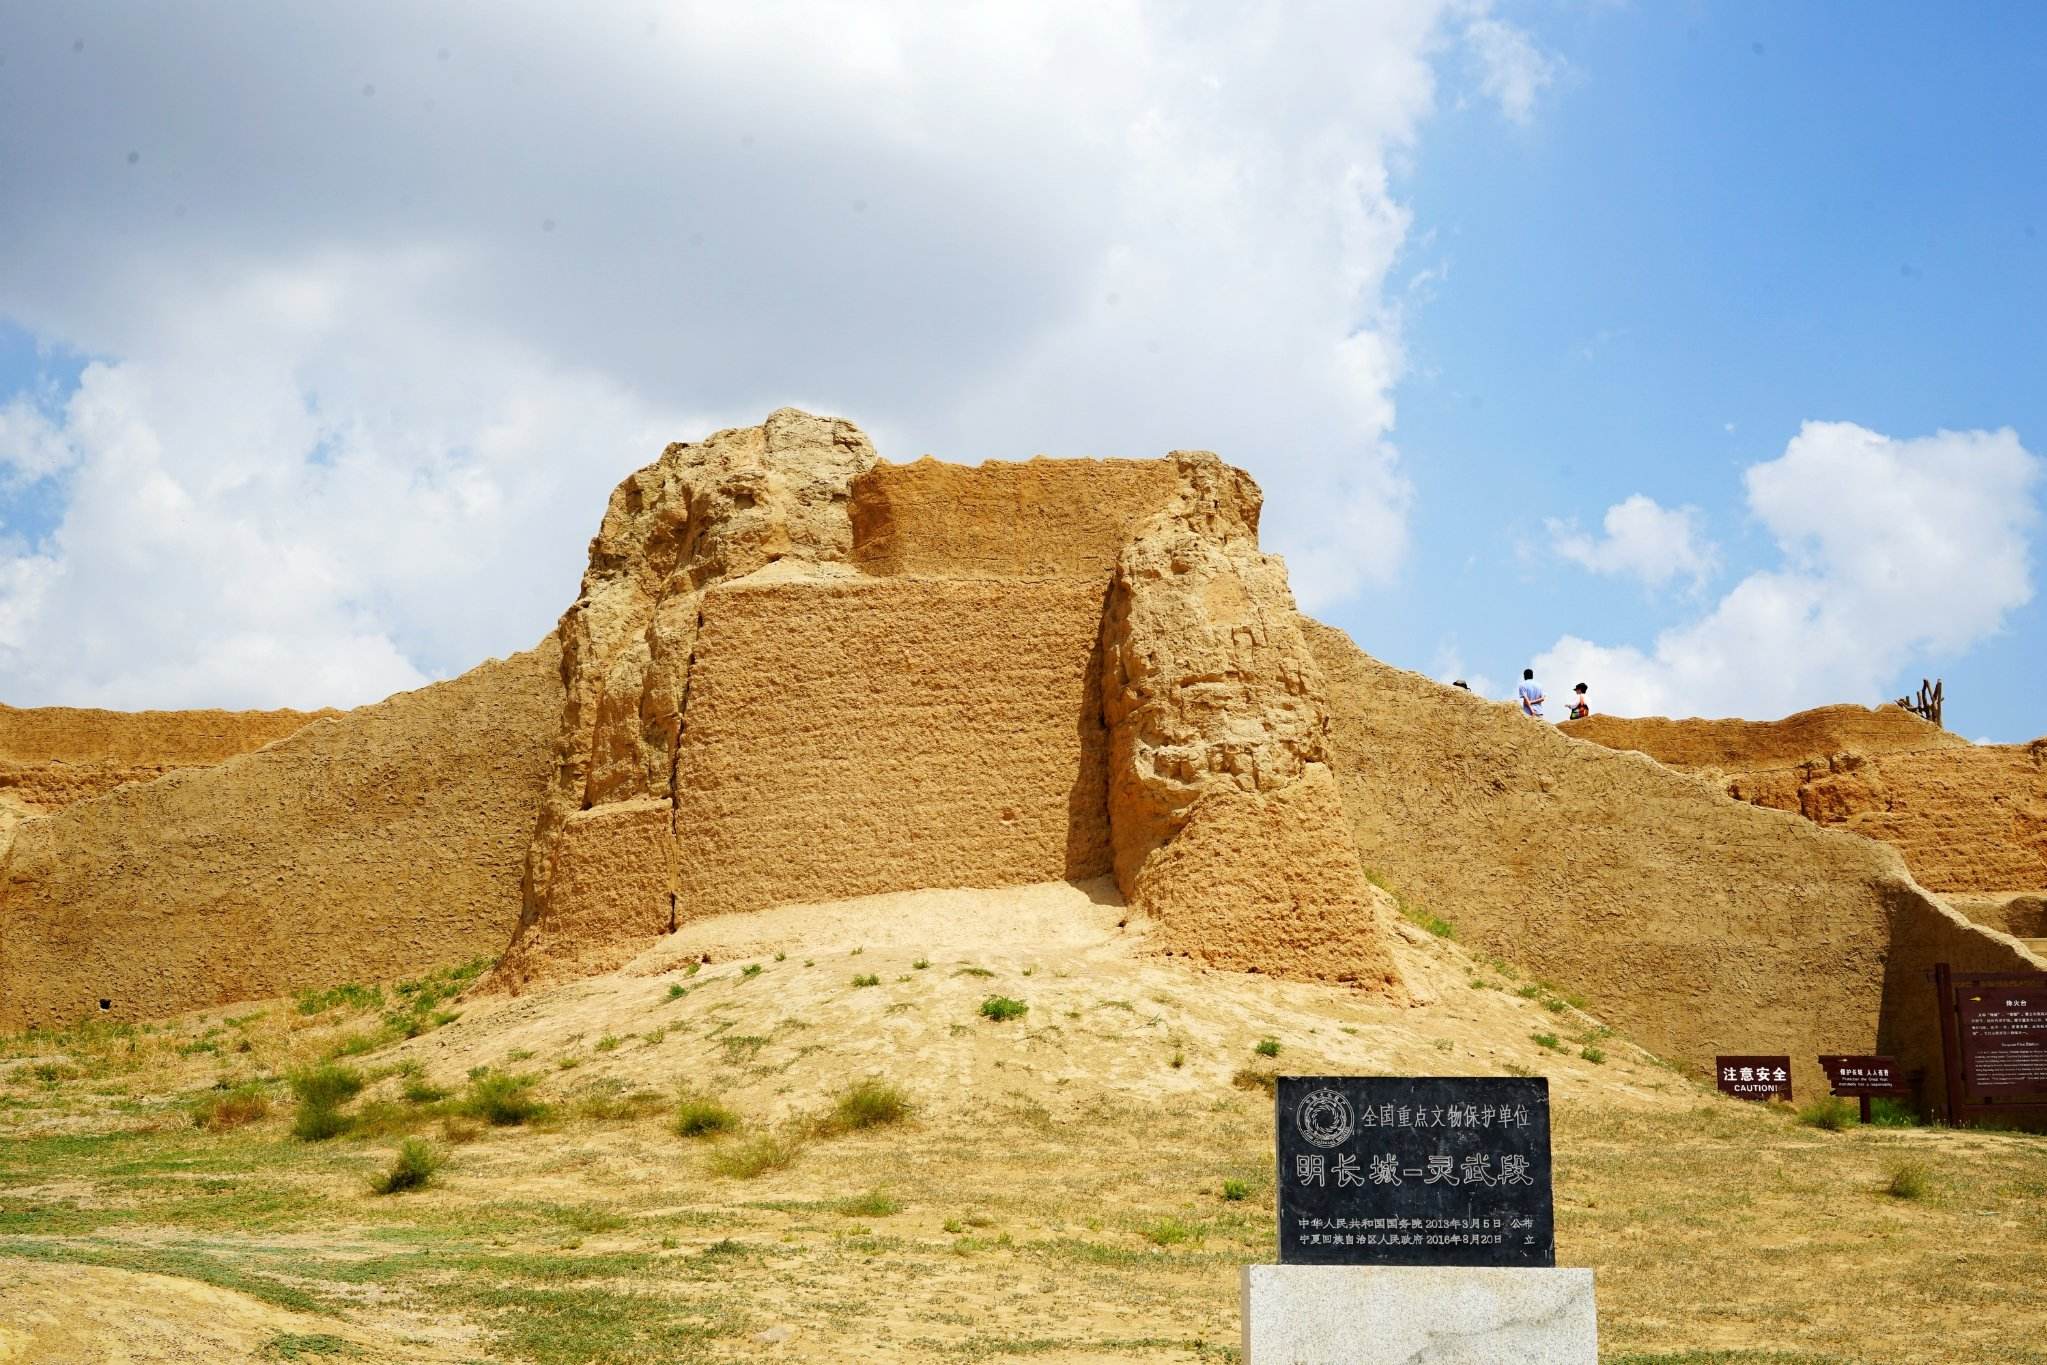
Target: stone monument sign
[1414,1171]
[1416,1222]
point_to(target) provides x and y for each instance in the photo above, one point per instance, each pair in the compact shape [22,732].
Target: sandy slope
[1105,1011]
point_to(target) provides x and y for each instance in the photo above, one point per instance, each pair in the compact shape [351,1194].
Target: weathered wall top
[70,734]
[1039,519]
[1734,745]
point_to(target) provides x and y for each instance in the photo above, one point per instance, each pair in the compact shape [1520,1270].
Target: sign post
[1416,1221]
[1858,1078]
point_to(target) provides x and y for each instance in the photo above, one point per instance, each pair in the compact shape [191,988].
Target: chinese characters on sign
[1414,1171]
[1993,1044]
[2004,1037]
[1850,1077]
[1754,1078]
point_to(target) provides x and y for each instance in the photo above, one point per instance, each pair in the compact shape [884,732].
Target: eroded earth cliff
[796,673]
[1970,819]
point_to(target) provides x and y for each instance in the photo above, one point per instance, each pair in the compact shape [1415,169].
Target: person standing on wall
[1531,695]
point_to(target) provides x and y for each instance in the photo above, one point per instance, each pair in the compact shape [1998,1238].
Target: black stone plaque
[1754,1078]
[1415,1170]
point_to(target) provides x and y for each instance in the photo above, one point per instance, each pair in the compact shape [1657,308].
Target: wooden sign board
[1754,1078]
[1414,1170]
[1993,1035]
[1858,1077]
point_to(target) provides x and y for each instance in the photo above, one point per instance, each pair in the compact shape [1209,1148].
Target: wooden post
[1950,1044]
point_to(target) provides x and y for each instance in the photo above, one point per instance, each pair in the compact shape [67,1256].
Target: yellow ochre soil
[51,756]
[1055,1193]
[1968,818]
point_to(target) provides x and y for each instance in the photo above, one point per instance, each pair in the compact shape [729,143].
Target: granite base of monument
[1418,1315]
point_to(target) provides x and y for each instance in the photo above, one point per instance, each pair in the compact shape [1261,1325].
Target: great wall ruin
[798,672]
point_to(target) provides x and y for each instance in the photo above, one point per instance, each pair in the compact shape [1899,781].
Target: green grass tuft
[1909,1180]
[1001,1007]
[1829,1113]
[698,1117]
[756,1156]
[502,1099]
[326,1084]
[868,1104]
[1267,1047]
[873,1204]
[415,1165]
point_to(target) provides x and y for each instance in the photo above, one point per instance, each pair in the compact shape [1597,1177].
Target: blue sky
[1726,220]
[382,302]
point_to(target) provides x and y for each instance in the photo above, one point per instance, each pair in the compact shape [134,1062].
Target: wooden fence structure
[1927,704]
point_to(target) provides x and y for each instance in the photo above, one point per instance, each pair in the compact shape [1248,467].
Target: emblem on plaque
[1324,1118]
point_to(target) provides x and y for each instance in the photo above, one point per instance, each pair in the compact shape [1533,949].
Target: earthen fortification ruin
[797,672]
[1970,819]
[53,755]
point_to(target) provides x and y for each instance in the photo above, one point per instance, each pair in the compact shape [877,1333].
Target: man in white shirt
[1531,695]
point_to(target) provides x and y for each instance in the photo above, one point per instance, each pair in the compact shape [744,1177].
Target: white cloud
[391,295]
[1643,541]
[32,447]
[1513,71]
[1448,667]
[1890,549]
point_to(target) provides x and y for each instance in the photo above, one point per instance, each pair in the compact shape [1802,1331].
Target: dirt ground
[1061,1188]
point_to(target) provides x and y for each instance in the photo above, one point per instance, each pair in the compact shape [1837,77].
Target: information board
[1421,1170]
[2003,1033]
[1993,1044]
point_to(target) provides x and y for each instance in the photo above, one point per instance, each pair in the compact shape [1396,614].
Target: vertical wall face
[1032,520]
[841,676]
[51,756]
[869,735]
[374,844]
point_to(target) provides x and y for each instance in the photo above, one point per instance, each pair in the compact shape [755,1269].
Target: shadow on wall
[1925,932]
[1087,801]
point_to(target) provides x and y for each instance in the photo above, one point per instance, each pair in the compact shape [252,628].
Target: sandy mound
[1107,1013]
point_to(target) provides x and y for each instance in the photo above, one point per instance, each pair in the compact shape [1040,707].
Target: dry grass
[1063,1195]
